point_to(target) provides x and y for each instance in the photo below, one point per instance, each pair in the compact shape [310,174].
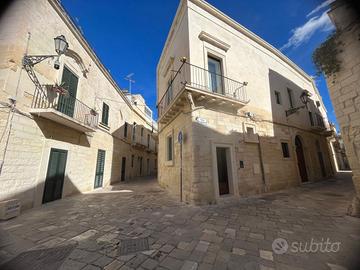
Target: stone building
[249,119]
[344,87]
[77,131]
[338,148]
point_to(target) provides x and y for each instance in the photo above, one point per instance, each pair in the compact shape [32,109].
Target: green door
[55,175]
[66,104]
[99,173]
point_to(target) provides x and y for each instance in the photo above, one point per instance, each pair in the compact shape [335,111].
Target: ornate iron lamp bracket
[28,62]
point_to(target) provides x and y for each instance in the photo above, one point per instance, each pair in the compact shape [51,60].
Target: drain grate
[50,258]
[128,246]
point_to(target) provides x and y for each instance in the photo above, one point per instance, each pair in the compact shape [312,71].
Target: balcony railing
[204,80]
[67,105]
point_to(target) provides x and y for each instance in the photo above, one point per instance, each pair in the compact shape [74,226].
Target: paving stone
[202,246]
[84,256]
[256,236]
[150,264]
[171,263]
[182,245]
[189,265]
[180,254]
[230,233]
[205,266]
[167,248]
[267,255]
[102,261]
[136,261]
[263,267]
[238,251]
[72,265]
[114,265]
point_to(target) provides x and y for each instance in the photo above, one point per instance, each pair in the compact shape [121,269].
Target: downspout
[262,166]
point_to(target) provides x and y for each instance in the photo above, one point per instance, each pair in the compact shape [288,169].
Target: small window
[105,114]
[250,130]
[125,129]
[134,131]
[278,97]
[311,119]
[142,131]
[317,103]
[132,161]
[285,149]
[291,97]
[169,147]
[148,140]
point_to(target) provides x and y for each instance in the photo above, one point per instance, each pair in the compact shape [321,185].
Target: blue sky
[128,36]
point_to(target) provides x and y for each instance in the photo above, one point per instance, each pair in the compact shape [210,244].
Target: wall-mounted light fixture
[29,61]
[305,98]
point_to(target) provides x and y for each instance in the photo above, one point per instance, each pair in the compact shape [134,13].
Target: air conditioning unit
[9,209]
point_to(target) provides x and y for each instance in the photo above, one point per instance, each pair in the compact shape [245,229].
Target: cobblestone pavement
[235,234]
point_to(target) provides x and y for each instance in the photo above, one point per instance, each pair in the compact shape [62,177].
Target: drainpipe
[262,165]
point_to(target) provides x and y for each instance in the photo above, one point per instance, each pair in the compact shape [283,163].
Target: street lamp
[61,45]
[29,61]
[305,98]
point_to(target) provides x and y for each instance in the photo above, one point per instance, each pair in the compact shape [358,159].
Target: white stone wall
[31,26]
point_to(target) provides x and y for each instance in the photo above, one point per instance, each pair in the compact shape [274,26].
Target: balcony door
[215,75]
[66,103]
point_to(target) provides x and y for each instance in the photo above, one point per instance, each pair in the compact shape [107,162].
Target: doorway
[301,159]
[222,169]
[321,159]
[100,165]
[123,167]
[55,175]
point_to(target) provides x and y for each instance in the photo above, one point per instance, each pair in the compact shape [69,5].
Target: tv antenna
[131,81]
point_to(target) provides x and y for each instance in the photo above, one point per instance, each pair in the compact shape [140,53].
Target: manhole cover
[128,246]
[51,258]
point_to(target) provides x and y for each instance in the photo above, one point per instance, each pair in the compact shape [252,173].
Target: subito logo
[280,246]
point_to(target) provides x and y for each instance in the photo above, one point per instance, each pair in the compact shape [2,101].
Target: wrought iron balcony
[64,109]
[202,81]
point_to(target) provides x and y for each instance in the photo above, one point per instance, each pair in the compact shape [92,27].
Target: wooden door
[301,159]
[222,170]
[123,168]
[55,175]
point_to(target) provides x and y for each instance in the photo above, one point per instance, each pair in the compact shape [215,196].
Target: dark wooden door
[301,160]
[66,103]
[322,165]
[100,165]
[55,175]
[222,170]
[123,168]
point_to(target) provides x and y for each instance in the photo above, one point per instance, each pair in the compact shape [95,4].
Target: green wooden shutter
[105,114]
[66,104]
[100,165]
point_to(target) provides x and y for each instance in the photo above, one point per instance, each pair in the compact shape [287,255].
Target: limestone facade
[227,92]
[30,131]
[344,87]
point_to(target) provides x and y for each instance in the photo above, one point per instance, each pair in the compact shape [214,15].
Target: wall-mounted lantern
[29,61]
[305,98]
